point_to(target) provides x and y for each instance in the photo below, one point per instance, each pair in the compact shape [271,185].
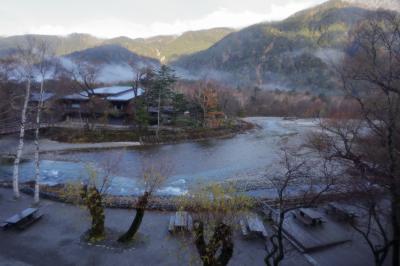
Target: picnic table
[22,219]
[180,221]
[308,216]
[340,212]
[252,224]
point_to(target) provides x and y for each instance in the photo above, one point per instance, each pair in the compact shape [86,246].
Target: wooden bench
[171,224]
[23,219]
[308,217]
[340,213]
[181,221]
[305,219]
[243,227]
[27,222]
[251,224]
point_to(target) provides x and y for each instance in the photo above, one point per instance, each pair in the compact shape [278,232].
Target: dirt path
[8,144]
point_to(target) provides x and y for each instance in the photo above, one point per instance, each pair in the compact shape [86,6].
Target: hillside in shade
[111,54]
[291,54]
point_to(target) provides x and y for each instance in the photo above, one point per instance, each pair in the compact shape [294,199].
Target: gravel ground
[55,240]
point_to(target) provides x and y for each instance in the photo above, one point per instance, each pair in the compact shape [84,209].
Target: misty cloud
[176,17]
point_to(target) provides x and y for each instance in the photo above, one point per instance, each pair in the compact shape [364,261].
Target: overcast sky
[138,18]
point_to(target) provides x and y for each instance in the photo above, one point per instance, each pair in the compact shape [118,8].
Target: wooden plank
[171,223]
[311,213]
[339,212]
[20,216]
[304,219]
[190,223]
[181,219]
[243,228]
[255,224]
[315,237]
[29,222]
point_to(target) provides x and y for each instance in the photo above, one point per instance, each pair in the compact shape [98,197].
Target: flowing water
[243,156]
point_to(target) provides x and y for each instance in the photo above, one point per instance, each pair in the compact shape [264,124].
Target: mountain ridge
[163,47]
[289,54]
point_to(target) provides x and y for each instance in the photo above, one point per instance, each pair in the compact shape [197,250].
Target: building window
[118,107]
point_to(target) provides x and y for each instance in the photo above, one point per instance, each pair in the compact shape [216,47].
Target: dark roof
[113,93]
[35,96]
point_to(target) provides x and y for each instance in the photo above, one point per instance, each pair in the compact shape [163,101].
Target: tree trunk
[158,114]
[94,202]
[37,150]
[221,239]
[277,254]
[21,140]
[396,230]
[129,235]
[137,221]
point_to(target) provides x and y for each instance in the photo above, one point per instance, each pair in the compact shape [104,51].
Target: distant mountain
[111,54]
[166,48]
[162,48]
[291,54]
[386,4]
[61,45]
[113,62]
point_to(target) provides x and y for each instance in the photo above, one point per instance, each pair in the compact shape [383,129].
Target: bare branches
[85,76]
[368,147]
[155,174]
[299,178]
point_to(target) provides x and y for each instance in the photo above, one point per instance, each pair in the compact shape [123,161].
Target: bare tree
[138,76]
[26,58]
[85,77]
[373,221]
[206,97]
[91,193]
[296,173]
[214,209]
[371,77]
[8,98]
[344,140]
[153,177]
[44,67]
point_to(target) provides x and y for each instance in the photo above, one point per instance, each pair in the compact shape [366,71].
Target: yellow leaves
[215,201]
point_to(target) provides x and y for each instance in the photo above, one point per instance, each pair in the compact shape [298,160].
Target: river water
[245,156]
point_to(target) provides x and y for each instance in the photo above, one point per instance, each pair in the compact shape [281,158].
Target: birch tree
[44,68]
[26,58]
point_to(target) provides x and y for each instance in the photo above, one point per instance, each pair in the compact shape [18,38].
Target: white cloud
[120,26]
[113,27]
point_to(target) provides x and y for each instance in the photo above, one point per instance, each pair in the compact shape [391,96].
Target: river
[245,156]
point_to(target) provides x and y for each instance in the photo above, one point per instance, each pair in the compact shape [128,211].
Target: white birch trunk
[36,197]
[21,140]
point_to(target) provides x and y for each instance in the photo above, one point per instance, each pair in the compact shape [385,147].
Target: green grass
[90,136]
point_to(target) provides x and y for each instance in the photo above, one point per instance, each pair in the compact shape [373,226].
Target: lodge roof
[35,96]
[113,93]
